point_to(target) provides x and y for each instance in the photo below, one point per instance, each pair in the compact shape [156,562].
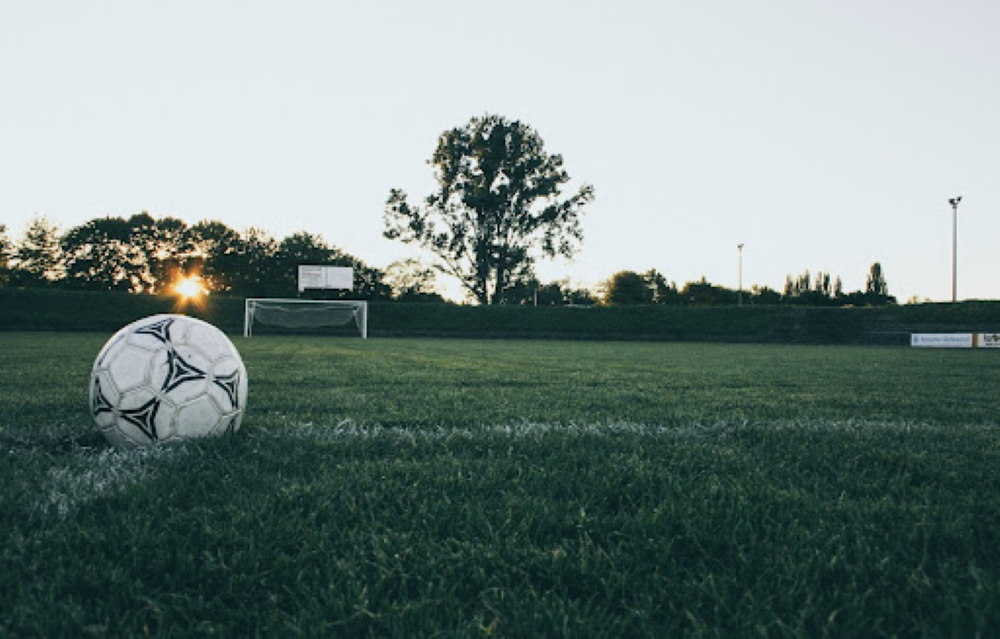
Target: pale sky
[823,135]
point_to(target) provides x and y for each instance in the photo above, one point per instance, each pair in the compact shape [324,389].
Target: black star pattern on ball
[231,384]
[144,417]
[160,330]
[231,426]
[101,403]
[179,371]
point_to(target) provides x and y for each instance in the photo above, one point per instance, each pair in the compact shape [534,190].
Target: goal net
[297,314]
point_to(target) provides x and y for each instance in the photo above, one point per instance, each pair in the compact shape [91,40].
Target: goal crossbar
[298,313]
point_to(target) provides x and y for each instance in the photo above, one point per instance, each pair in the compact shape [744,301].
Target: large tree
[99,255]
[216,250]
[497,206]
[627,287]
[411,280]
[876,288]
[37,257]
[164,247]
[139,254]
[664,291]
[248,265]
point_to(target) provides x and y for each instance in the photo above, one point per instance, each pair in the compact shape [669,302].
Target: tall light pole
[954,247]
[739,295]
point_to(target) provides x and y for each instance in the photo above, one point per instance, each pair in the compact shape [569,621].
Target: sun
[189,287]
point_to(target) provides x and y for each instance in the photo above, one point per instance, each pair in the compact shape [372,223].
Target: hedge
[65,310]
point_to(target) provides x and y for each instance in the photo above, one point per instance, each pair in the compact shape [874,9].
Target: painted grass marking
[99,473]
[349,429]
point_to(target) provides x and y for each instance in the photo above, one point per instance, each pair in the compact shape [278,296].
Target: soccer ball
[167,378]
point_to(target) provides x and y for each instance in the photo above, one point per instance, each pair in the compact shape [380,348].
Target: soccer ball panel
[167,378]
[228,383]
[113,345]
[197,418]
[207,337]
[155,331]
[140,415]
[128,368]
[103,399]
[179,373]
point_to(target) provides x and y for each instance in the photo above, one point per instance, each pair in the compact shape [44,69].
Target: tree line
[144,254]
[651,287]
[499,205]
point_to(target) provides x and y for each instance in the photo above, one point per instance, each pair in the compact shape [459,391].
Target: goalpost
[308,313]
[298,313]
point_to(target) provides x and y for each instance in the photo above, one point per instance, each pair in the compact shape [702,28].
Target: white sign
[988,340]
[941,340]
[325,277]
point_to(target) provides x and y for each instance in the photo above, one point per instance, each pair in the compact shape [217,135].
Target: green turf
[418,487]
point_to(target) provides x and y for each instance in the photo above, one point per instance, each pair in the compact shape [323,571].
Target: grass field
[505,488]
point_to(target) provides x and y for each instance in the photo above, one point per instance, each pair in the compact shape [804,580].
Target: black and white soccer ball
[167,378]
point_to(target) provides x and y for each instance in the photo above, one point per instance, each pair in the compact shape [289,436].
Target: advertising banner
[941,340]
[988,340]
[325,277]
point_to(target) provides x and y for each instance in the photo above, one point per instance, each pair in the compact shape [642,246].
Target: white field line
[351,430]
[95,474]
[348,429]
[98,474]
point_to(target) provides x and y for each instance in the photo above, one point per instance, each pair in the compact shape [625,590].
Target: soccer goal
[305,314]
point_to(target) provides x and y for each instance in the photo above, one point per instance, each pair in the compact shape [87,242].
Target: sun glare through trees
[189,288]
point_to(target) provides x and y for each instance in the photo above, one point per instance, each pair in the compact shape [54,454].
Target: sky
[820,135]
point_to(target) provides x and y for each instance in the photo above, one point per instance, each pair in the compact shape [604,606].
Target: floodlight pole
[954,247]
[739,294]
